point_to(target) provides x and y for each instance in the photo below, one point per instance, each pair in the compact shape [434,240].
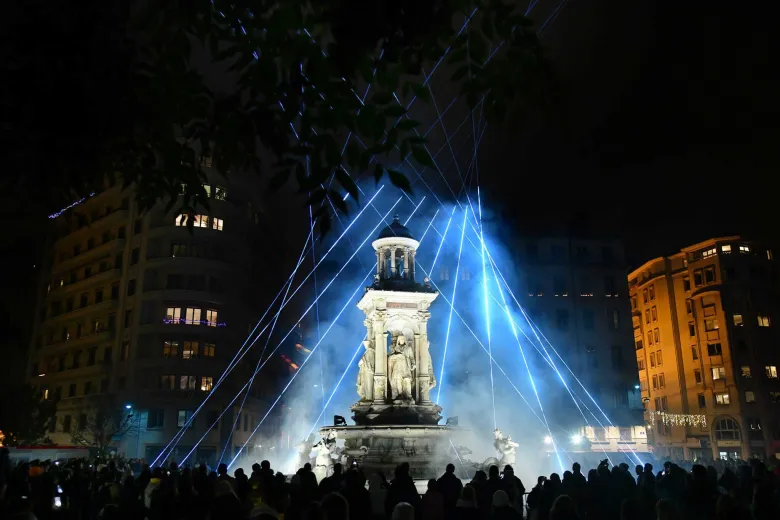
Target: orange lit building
[706,347]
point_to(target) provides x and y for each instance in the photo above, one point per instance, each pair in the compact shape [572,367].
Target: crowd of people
[90,490]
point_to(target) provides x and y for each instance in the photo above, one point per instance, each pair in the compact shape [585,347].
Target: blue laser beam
[487,303]
[449,321]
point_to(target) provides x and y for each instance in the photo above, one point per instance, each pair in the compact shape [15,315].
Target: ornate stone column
[378,268]
[423,356]
[406,262]
[411,265]
[380,356]
[370,338]
[392,262]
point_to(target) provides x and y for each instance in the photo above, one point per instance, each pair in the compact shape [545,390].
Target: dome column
[392,262]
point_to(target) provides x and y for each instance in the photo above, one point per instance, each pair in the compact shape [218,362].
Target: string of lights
[59,213]
[676,419]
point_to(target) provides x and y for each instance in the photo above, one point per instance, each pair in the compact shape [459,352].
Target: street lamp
[128,407]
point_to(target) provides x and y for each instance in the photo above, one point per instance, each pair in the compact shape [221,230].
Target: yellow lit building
[706,347]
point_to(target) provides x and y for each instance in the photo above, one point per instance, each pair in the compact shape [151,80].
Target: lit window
[183,417]
[207,189]
[192,316]
[640,364]
[750,397]
[220,193]
[763,321]
[771,372]
[181,220]
[738,320]
[209,350]
[206,383]
[709,252]
[217,224]
[769,255]
[201,221]
[711,324]
[744,249]
[190,350]
[211,318]
[173,315]
[745,371]
[718,373]
[188,382]
[170,349]
[722,398]
[726,248]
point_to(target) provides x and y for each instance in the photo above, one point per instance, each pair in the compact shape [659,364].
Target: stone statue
[431,374]
[304,451]
[326,452]
[505,446]
[365,379]
[400,368]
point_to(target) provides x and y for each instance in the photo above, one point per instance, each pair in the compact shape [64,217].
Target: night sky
[666,133]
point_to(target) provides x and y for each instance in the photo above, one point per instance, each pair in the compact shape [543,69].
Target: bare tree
[104,423]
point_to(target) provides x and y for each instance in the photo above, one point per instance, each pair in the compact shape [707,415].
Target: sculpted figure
[401,365]
[326,451]
[365,379]
[304,450]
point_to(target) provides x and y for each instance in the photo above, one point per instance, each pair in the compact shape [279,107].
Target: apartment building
[138,316]
[706,347]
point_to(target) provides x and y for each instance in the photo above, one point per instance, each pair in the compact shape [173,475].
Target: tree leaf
[279,180]
[399,180]
[407,124]
[347,183]
[395,111]
[422,156]
[378,172]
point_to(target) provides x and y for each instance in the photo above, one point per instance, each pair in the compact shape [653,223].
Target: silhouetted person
[433,505]
[467,507]
[332,484]
[334,507]
[513,487]
[450,487]
[402,489]
[502,508]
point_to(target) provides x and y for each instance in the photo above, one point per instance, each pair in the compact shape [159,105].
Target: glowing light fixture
[576,438]
[548,439]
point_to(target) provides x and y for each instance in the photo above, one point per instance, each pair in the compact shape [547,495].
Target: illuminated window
[714,349]
[640,364]
[718,373]
[738,320]
[771,371]
[190,350]
[763,321]
[167,382]
[173,315]
[722,398]
[744,249]
[211,318]
[709,252]
[206,383]
[217,224]
[209,350]
[184,416]
[750,397]
[220,193]
[725,249]
[207,189]
[745,370]
[192,316]
[188,382]
[170,349]
[769,255]
[711,324]
[201,221]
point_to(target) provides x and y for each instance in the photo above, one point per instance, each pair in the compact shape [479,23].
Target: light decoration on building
[182,321]
[73,205]
[677,419]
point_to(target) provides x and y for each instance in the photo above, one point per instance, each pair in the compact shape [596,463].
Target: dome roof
[396,229]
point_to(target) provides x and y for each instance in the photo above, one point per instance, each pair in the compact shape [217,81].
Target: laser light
[576,438]
[547,439]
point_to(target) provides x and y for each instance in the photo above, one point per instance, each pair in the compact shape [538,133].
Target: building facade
[706,349]
[139,315]
[572,290]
